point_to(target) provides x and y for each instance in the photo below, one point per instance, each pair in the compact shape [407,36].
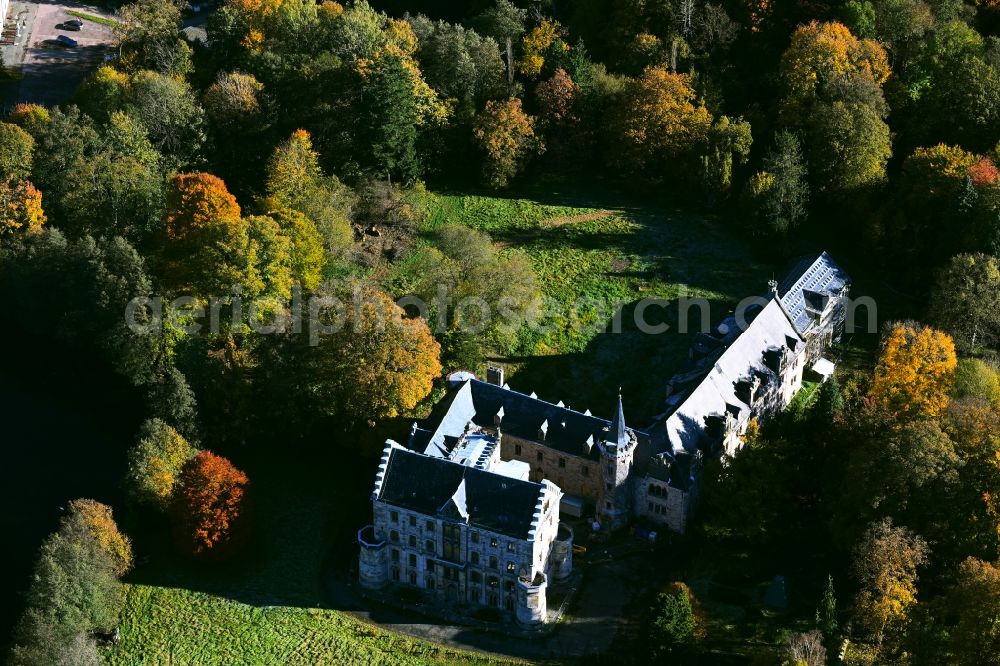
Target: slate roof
[715,393]
[432,485]
[523,415]
[808,285]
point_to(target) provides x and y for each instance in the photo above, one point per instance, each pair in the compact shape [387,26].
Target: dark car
[71,27]
[68,42]
[77,22]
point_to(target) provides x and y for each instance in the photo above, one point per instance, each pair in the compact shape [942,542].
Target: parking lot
[50,73]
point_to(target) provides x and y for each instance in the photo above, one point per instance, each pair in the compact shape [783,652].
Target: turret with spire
[616,460]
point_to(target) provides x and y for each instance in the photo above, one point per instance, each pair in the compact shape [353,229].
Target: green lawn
[591,260]
[103,20]
[175,626]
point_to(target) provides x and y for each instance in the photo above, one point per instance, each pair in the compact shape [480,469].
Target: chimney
[494,375]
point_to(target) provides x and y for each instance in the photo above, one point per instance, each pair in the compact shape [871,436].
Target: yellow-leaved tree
[20,209]
[915,372]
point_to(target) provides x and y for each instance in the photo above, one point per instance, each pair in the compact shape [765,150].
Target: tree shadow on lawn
[307,505]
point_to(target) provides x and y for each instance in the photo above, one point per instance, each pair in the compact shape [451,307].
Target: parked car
[68,42]
[77,22]
[71,27]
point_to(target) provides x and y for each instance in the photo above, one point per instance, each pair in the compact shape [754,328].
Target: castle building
[469,509]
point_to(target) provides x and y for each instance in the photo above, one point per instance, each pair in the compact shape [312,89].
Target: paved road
[50,75]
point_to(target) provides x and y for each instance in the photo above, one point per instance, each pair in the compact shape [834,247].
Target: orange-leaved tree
[20,209]
[99,520]
[507,136]
[210,505]
[915,372]
[660,118]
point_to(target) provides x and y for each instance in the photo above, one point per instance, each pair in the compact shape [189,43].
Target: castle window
[394,536]
[430,583]
[430,564]
[494,562]
[475,558]
[413,521]
[652,507]
[413,560]
[608,486]
[508,585]
[511,567]
[394,555]
[430,525]
[413,541]
[584,470]
[607,505]
[394,516]
[510,603]
[493,542]
[511,547]
[475,537]
[413,578]
[518,450]
[395,574]
[562,462]
[429,545]
[540,456]
[476,577]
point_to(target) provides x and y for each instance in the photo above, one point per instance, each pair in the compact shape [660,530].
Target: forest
[532,156]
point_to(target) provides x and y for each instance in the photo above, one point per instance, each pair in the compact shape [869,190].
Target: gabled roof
[716,394]
[521,415]
[435,486]
[808,286]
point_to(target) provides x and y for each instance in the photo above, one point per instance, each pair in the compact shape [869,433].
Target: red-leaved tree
[210,505]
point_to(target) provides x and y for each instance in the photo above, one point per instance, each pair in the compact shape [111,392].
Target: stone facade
[475,550]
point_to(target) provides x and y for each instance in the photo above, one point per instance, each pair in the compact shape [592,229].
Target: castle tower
[617,452]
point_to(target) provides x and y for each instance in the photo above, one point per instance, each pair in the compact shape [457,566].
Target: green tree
[729,141]
[976,380]
[673,626]
[849,146]
[16,152]
[975,602]
[147,33]
[74,591]
[389,121]
[169,111]
[826,614]
[155,463]
[780,193]
[966,299]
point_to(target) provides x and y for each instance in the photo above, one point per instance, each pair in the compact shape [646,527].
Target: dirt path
[574,219]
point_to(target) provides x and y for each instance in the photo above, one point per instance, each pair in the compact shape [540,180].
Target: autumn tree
[885,565]
[506,134]
[977,380]
[16,151]
[536,44]
[296,180]
[806,649]
[966,299]
[975,604]
[20,209]
[821,53]
[556,96]
[210,506]
[378,365]
[306,256]
[658,120]
[155,464]
[234,101]
[207,239]
[32,118]
[99,519]
[915,371]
